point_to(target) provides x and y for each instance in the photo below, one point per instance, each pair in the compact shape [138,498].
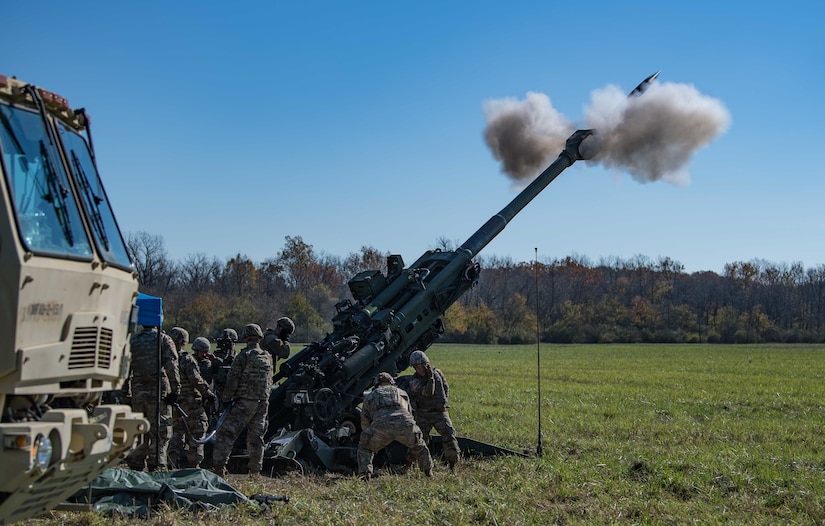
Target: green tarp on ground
[135,492]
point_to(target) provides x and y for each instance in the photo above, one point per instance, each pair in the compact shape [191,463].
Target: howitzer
[313,412]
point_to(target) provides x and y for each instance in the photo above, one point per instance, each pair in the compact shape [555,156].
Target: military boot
[219,470]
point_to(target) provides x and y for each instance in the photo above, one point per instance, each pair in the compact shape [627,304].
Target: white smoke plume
[525,135]
[652,135]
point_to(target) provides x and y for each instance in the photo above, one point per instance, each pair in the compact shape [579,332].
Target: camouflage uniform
[226,345]
[247,387]
[276,340]
[208,364]
[223,363]
[193,394]
[144,391]
[429,394]
[180,337]
[386,415]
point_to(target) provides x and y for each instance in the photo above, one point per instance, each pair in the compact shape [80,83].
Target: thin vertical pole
[539,446]
[158,400]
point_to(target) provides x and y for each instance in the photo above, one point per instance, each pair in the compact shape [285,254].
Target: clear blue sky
[225,126]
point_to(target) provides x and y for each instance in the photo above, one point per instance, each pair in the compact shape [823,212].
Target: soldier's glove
[429,370]
[171,399]
[210,400]
[283,334]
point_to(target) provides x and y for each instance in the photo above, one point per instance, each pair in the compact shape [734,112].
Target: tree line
[565,300]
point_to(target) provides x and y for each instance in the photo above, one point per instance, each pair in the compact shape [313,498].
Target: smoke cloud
[652,136]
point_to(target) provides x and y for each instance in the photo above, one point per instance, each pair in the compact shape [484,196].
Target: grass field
[631,434]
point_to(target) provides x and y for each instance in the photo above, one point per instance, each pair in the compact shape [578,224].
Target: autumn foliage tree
[565,300]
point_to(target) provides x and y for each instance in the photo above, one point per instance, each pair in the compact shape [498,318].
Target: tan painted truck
[67,307]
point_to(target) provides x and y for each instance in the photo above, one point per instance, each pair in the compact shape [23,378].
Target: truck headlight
[42,452]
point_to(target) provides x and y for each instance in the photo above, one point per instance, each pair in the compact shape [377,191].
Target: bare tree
[156,272]
[446,244]
[198,273]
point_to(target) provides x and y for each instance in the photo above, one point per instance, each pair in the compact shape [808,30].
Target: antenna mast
[539,446]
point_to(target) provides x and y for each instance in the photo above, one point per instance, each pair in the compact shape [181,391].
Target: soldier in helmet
[224,355]
[276,340]
[180,337]
[386,415]
[208,363]
[226,345]
[192,422]
[247,390]
[151,453]
[429,393]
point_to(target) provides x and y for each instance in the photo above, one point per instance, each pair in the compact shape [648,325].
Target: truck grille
[91,347]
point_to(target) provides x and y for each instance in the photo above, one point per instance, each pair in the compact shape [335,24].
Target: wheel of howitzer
[352,421]
[324,405]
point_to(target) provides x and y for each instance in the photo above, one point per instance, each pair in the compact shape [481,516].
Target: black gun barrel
[496,224]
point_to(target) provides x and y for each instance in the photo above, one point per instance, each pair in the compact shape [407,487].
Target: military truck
[67,308]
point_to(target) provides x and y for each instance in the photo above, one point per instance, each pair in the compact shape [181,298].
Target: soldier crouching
[386,416]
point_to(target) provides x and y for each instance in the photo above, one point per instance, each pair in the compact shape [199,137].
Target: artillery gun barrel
[496,224]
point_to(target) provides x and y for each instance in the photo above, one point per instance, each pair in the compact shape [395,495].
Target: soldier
[209,366]
[208,363]
[247,390]
[152,451]
[276,340]
[226,345]
[386,415]
[429,394]
[224,355]
[194,394]
[180,337]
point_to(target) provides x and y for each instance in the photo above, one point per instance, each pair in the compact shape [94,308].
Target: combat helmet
[287,324]
[232,334]
[419,358]
[253,330]
[201,344]
[383,378]
[179,335]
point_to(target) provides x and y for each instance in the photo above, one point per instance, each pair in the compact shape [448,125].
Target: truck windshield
[104,227]
[48,217]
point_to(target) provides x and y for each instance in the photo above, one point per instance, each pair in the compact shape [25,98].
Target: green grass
[631,434]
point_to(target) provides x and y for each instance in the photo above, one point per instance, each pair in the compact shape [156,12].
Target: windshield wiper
[92,201]
[56,195]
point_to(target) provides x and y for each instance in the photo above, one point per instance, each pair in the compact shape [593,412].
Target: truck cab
[67,306]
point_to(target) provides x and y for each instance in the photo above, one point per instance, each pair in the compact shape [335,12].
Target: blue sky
[226,126]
